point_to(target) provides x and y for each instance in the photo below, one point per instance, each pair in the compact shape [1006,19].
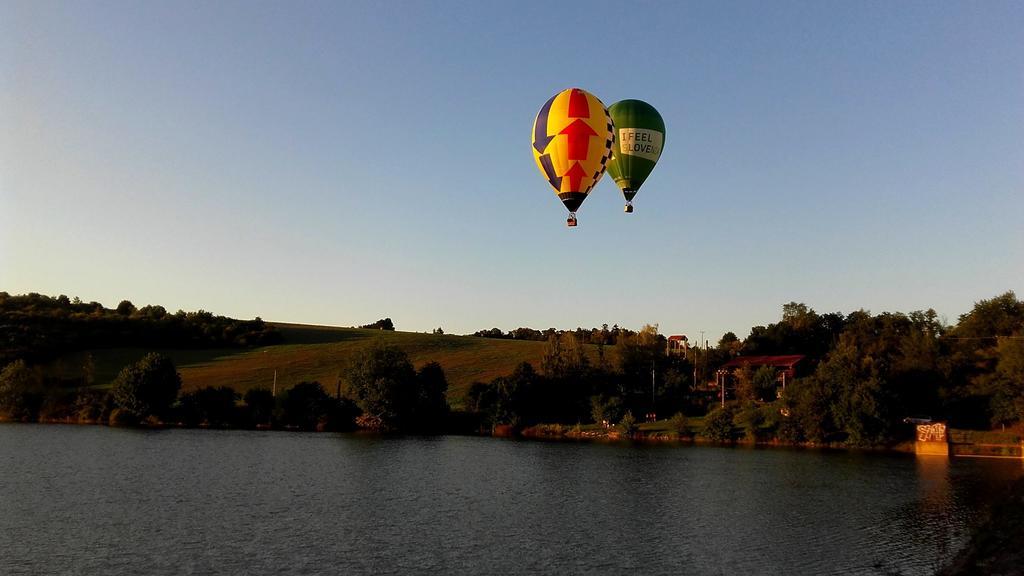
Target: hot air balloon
[640,137]
[572,144]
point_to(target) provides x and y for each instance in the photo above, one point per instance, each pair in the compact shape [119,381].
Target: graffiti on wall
[931,432]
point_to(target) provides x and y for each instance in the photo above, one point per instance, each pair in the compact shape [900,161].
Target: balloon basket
[628,209]
[571,221]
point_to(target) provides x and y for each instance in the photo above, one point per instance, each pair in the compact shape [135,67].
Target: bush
[628,424]
[751,419]
[58,404]
[679,424]
[92,406]
[20,394]
[606,409]
[259,406]
[718,425]
[305,406]
[210,406]
[431,407]
[122,417]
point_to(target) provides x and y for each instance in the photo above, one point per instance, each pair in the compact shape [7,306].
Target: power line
[981,337]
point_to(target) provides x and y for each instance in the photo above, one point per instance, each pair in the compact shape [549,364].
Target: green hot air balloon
[639,140]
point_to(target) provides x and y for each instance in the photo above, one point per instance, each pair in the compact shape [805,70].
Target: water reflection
[99,500]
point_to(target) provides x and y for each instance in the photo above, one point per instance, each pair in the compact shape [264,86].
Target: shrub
[718,425]
[679,424]
[628,424]
[20,395]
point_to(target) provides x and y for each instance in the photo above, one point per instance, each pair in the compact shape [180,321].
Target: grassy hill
[318,353]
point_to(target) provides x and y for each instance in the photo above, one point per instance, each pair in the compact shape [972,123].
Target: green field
[318,353]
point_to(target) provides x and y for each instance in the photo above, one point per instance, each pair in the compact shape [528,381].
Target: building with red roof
[786,368]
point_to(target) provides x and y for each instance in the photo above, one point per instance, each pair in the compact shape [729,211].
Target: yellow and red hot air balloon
[572,144]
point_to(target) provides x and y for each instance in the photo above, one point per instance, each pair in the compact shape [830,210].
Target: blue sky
[338,162]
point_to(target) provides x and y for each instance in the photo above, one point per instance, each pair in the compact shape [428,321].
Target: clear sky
[338,162]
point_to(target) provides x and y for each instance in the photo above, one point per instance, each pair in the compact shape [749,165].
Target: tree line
[601,336]
[37,328]
[864,374]
[382,392]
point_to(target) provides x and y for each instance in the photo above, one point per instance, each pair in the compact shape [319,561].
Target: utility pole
[694,367]
[721,387]
[274,389]
[703,372]
[652,386]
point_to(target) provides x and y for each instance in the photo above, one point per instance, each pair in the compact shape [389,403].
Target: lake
[98,500]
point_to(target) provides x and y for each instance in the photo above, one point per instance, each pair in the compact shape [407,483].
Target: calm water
[96,500]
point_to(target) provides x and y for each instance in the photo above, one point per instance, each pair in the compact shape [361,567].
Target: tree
[606,409]
[1008,400]
[382,324]
[259,404]
[20,394]
[801,331]
[744,377]
[93,405]
[125,308]
[763,382]
[431,401]
[718,425]
[750,418]
[382,383]
[210,406]
[564,356]
[148,387]
[628,425]
[679,424]
[730,344]
[306,406]
[508,400]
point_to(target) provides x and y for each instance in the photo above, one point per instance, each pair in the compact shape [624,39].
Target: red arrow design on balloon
[575,176]
[578,105]
[579,133]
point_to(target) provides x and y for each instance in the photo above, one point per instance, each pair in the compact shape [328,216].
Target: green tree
[763,382]
[20,392]
[148,387]
[210,406]
[628,425]
[93,405]
[432,401]
[125,308]
[306,406]
[744,377]
[259,404]
[679,424]
[809,404]
[564,356]
[730,344]
[381,381]
[606,408]
[382,324]
[751,418]
[718,425]
[971,364]
[1008,399]
[508,400]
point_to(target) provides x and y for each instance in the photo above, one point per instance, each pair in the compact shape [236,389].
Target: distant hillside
[317,353]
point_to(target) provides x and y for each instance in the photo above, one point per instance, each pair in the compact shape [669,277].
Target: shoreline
[576,434]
